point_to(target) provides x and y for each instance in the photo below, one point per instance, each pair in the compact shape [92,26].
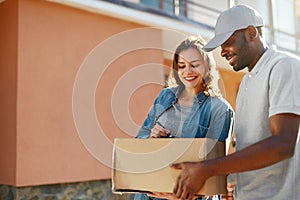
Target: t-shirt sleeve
[284,83]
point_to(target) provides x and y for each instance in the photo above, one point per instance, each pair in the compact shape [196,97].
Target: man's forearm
[262,154]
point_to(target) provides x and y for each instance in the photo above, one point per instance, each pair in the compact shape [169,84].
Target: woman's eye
[195,66]
[181,66]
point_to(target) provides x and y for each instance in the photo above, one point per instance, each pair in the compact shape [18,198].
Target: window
[282,17]
[284,24]
[163,5]
[196,10]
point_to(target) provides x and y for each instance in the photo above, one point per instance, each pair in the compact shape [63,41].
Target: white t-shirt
[272,87]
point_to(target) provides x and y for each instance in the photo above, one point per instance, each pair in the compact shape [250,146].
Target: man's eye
[228,43]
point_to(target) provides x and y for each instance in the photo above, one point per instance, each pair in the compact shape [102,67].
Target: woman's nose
[188,68]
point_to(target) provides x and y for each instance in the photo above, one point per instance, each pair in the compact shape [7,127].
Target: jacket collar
[201,97]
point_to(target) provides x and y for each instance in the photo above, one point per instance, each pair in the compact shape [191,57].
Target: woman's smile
[190,78]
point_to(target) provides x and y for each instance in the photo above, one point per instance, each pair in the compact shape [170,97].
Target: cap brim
[217,41]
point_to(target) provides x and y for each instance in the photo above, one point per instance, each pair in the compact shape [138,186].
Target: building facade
[75,74]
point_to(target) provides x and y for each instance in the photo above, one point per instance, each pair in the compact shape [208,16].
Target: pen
[169,135]
[160,124]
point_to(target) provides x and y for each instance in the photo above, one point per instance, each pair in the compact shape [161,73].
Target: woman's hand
[230,191]
[159,131]
[163,195]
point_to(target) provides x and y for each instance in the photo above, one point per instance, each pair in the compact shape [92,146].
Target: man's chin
[237,68]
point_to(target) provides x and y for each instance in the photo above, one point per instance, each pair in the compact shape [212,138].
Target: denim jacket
[211,117]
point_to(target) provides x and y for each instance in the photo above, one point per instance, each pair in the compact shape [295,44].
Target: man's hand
[190,180]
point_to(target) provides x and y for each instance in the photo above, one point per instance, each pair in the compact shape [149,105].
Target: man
[267,115]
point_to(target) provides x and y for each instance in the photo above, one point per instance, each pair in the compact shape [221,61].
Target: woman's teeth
[190,78]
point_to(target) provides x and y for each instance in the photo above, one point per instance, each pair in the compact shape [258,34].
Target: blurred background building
[49,148]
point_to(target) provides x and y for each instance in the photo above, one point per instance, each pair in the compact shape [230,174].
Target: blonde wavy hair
[210,82]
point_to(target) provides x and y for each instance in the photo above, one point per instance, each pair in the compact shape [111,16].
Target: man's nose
[223,51]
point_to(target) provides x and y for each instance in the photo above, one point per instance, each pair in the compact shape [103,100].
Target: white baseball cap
[235,18]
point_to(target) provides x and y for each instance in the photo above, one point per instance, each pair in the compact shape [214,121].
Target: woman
[191,105]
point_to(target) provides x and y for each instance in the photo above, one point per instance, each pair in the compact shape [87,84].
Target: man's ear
[252,31]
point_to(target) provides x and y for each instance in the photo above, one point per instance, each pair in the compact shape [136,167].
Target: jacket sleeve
[222,121]
[148,124]
[155,110]
[228,125]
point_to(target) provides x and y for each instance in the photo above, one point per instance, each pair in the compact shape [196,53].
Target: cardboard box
[142,165]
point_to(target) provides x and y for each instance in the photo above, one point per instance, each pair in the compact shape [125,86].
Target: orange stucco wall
[40,58]
[230,81]
[43,48]
[8,93]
